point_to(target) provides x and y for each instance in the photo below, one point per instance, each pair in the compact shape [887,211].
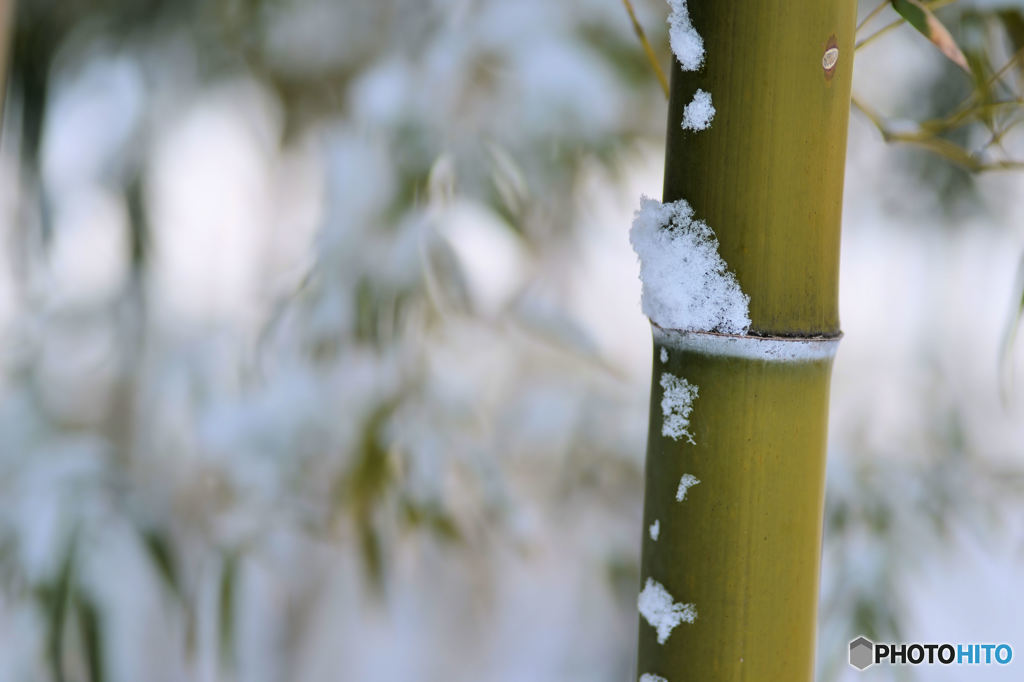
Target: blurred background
[321,353]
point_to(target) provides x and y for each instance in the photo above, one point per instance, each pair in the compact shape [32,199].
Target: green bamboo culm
[733,519]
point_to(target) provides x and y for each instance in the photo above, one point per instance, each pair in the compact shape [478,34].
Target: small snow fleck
[655,530]
[686,284]
[647,677]
[659,610]
[686,43]
[664,356]
[698,113]
[676,406]
[685,483]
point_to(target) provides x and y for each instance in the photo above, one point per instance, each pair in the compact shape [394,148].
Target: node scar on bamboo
[830,57]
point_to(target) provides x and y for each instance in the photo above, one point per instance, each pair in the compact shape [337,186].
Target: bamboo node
[764,348]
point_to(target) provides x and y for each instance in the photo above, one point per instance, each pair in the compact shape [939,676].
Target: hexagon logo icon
[862,653]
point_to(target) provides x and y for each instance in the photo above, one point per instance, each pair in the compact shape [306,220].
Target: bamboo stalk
[743,545]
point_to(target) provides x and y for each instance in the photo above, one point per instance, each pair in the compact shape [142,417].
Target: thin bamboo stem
[992,80]
[871,15]
[895,24]
[648,50]
[925,138]
[880,32]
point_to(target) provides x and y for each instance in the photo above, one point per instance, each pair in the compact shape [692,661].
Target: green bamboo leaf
[371,552]
[921,18]
[432,517]
[158,546]
[361,489]
[445,271]
[56,598]
[91,626]
[226,610]
[1013,24]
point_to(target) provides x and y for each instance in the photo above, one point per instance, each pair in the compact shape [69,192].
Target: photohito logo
[864,653]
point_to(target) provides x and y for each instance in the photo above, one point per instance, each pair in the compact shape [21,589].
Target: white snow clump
[698,113]
[658,609]
[676,406]
[686,43]
[655,530]
[686,284]
[685,483]
[647,677]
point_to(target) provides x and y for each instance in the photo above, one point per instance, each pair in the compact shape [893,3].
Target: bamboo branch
[651,57]
[992,80]
[936,4]
[874,13]
[928,141]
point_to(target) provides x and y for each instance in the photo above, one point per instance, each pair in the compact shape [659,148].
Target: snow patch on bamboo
[686,284]
[676,405]
[655,530]
[687,45]
[661,611]
[685,483]
[698,113]
[647,677]
[664,356]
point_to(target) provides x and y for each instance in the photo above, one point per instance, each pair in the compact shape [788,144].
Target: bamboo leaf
[365,485]
[371,552]
[651,58]
[433,517]
[921,18]
[159,549]
[56,600]
[91,627]
[444,272]
[1013,24]
[226,610]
